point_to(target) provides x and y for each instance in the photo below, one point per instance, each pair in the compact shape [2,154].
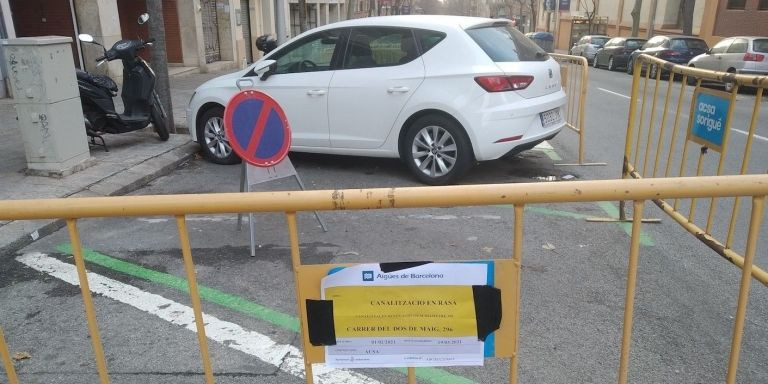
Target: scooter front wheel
[159,119]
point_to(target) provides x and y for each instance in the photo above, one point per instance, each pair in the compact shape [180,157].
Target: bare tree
[534,7]
[636,17]
[590,14]
[160,59]
[686,10]
[303,22]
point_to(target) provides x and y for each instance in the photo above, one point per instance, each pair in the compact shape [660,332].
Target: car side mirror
[264,69]
[709,51]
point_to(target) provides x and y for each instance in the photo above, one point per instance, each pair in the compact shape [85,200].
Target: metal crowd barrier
[518,195]
[574,78]
[659,141]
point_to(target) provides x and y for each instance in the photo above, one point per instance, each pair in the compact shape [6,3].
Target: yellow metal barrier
[519,195]
[658,141]
[574,77]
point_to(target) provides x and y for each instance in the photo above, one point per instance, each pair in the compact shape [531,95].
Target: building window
[736,4]
[762,5]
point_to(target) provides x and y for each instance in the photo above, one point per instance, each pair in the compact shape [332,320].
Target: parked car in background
[615,53]
[439,92]
[588,45]
[745,55]
[675,49]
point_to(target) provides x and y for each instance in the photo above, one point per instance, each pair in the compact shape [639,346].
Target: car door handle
[316,92]
[398,89]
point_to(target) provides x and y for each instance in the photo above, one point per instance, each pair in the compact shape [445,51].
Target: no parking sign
[257,128]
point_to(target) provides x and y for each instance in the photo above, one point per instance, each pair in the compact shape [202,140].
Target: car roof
[416,21]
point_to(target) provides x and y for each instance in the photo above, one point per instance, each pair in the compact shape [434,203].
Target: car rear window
[634,44]
[693,44]
[503,43]
[428,39]
[760,45]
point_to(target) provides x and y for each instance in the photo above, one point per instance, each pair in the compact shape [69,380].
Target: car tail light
[753,57]
[504,83]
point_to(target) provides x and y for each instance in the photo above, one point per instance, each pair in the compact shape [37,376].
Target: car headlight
[191,98]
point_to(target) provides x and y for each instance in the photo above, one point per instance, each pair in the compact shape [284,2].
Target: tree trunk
[636,17]
[303,25]
[687,7]
[160,59]
[534,16]
[350,8]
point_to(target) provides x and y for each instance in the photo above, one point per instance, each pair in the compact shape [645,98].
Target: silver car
[746,55]
[588,45]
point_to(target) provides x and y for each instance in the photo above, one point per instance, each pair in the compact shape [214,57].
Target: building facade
[205,34]
[712,19]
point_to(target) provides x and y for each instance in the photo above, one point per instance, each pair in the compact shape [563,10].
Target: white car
[439,92]
[744,55]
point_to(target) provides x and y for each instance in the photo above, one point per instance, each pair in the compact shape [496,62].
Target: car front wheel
[611,66]
[212,139]
[437,150]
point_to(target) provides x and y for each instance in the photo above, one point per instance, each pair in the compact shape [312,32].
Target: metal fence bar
[90,312]
[642,114]
[651,119]
[726,136]
[194,296]
[745,162]
[663,123]
[629,303]
[676,126]
[293,234]
[10,372]
[758,205]
[576,89]
[517,256]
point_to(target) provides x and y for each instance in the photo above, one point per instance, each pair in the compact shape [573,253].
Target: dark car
[615,53]
[675,49]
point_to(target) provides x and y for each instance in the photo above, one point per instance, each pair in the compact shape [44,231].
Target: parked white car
[439,92]
[745,55]
[588,46]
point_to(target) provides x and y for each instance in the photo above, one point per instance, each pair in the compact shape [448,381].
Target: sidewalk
[133,160]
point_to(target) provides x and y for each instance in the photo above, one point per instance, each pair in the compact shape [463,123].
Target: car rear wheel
[437,150]
[729,84]
[630,66]
[594,62]
[214,143]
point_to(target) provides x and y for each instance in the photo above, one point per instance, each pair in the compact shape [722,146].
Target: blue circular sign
[257,128]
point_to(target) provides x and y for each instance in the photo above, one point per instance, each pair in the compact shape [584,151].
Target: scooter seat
[98,80]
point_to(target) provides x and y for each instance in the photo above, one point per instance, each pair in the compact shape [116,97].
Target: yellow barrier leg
[411,375]
[517,256]
[90,313]
[189,266]
[758,204]
[629,303]
[293,232]
[7,363]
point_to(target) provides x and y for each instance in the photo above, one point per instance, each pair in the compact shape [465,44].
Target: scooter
[141,103]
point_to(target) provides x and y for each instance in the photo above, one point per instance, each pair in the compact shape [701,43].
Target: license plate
[550,118]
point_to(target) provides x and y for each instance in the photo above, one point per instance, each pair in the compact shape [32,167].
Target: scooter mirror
[143,18]
[84,37]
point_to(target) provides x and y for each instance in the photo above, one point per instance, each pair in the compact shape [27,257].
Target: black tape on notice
[320,322]
[394,267]
[487,309]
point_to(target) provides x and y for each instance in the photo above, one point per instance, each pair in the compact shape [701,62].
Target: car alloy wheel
[594,62]
[212,139]
[610,64]
[436,150]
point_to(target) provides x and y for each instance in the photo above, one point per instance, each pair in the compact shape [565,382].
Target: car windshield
[634,44]
[760,45]
[599,40]
[692,44]
[503,43]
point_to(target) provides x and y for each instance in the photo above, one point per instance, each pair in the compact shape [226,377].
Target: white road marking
[745,133]
[614,93]
[284,356]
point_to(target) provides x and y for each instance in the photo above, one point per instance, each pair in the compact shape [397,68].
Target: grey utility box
[42,78]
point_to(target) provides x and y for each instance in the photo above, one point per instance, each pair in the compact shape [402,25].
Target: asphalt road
[573,279]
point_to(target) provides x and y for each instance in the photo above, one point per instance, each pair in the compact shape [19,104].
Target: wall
[749,21]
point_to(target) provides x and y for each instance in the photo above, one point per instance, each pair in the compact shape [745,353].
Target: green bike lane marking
[235,303]
[608,207]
